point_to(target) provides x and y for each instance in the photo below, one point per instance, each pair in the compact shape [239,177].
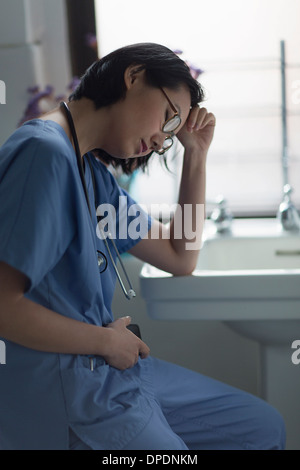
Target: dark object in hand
[135,329]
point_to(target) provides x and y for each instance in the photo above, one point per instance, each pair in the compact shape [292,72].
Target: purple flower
[73,84]
[178,51]
[33,109]
[41,101]
[194,69]
[91,41]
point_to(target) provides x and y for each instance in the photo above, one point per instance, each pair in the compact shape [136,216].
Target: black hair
[104,84]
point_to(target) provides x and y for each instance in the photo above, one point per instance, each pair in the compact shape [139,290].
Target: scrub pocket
[106,407]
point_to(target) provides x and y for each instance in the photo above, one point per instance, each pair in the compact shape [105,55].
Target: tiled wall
[29,35]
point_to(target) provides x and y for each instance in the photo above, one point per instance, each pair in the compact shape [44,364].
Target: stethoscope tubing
[130,293]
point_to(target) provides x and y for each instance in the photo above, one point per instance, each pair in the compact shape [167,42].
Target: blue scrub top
[47,233]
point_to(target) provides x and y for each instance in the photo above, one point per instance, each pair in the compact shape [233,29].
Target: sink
[250,254]
[251,273]
[250,280]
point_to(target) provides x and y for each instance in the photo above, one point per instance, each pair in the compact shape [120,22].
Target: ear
[132,75]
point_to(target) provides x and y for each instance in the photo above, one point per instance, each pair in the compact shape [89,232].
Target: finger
[144,350]
[127,320]
[196,118]
[209,119]
[192,118]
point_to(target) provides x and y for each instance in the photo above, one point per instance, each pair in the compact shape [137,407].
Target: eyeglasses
[169,126]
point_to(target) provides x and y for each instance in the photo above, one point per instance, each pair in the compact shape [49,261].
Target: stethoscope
[102,260]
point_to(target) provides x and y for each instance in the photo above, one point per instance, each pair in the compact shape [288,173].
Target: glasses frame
[176,114]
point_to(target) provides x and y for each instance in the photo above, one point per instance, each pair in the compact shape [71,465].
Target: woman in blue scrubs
[75,378]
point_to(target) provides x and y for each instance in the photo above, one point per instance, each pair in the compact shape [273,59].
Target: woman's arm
[34,326]
[175,248]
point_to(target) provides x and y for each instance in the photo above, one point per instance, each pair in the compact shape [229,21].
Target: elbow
[186,272]
[185,268]
[184,263]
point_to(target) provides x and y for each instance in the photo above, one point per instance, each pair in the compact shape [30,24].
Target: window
[81,25]
[237,44]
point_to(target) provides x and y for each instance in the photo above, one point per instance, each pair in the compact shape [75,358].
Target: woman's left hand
[198,130]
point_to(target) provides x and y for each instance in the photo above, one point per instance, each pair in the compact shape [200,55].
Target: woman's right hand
[123,347]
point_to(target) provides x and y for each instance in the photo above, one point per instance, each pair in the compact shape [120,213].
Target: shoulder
[38,155]
[49,138]
[33,131]
[40,144]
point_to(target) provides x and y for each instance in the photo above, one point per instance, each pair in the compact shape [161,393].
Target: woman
[74,377]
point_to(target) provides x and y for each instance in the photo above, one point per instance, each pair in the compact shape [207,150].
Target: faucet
[221,215]
[287,213]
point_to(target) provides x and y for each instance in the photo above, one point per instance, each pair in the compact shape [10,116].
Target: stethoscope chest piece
[102,261]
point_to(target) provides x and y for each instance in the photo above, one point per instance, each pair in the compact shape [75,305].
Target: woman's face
[138,119]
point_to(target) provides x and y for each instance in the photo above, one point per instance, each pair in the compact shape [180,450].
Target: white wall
[33,51]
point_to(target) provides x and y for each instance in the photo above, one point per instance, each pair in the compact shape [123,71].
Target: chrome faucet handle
[221,215]
[287,213]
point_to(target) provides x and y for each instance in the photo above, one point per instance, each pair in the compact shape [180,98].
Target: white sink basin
[252,273]
[250,254]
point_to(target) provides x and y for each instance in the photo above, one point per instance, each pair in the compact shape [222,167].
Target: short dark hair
[104,84]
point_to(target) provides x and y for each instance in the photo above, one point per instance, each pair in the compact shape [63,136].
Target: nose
[158,140]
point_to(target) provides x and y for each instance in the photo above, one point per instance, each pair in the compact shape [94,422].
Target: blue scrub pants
[194,412]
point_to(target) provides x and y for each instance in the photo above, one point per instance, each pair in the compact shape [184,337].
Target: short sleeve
[127,220]
[35,191]
[133,222]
